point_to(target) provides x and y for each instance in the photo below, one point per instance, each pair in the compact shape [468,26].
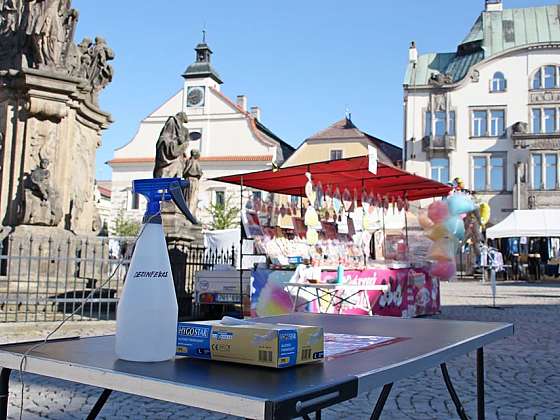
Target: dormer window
[546,78]
[499,82]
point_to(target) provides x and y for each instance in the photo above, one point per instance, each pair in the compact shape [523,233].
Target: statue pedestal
[184,244]
[45,255]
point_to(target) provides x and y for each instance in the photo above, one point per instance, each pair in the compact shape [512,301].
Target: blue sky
[303,62]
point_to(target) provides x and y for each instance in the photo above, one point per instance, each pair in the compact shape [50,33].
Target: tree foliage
[224,216]
[125,226]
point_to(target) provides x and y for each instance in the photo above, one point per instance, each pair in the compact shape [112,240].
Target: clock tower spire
[202,68]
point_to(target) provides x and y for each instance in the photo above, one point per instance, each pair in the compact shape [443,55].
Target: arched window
[499,82]
[547,77]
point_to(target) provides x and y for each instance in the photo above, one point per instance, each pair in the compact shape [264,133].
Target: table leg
[4,392]
[458,406]
[381,402]
[318,300]
[317,416]
[296,299]
[480,383]
[99,404]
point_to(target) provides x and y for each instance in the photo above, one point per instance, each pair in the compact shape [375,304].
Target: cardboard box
[271,345]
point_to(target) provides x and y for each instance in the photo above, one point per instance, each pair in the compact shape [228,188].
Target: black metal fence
[46,280]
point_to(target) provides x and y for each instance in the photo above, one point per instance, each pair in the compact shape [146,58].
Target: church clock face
[195,96]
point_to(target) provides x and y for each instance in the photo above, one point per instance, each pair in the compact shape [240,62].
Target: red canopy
[351,173]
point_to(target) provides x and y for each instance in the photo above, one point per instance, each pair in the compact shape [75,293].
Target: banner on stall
[412,292]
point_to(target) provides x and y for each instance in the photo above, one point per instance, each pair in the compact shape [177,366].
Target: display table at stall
[411,292]
[259,393]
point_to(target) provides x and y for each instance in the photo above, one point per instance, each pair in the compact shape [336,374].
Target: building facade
[230,137]
[489,112]
[343,140]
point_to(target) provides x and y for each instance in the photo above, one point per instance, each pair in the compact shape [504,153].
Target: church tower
[200,76]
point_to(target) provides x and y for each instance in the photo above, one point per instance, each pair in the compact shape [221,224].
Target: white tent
[530,223]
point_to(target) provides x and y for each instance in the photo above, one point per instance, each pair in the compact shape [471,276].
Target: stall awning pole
[406,228]
[241,248]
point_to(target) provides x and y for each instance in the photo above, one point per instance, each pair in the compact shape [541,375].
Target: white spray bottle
[147,310]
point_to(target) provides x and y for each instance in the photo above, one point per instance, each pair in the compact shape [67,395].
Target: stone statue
[520,127]
[439,80]
[10,10]
[42,205]
[39,34]
[170,147]
[100,72]
[192,173]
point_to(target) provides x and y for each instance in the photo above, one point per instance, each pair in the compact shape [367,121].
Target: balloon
[456,227]
[442,250]
[438,211]
[424,220]
[484,213]
[445,270]
[439,231]
[460,203]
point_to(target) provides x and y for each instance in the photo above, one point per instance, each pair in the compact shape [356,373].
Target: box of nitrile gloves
[272,345]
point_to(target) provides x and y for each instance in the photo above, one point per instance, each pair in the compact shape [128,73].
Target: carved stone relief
[475,76]
[81,198]
[42,201]
[544,97]
[39,34]
[538,144]
[439,101]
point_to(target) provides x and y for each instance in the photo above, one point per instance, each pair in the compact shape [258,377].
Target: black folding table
[264,393]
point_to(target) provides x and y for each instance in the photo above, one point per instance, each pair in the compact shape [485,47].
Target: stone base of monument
[39,251]
[177,227]
[184,243]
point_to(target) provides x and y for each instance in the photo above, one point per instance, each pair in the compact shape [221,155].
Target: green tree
[224,216]
[125,226]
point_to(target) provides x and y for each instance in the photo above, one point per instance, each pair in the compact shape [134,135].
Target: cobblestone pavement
[522,373]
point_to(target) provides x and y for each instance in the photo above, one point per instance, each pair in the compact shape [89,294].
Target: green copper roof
[491,34]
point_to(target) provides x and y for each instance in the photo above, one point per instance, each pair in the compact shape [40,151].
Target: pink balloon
[444,270]
[438,211]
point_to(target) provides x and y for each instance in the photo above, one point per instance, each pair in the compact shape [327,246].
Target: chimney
[256,112]
[494,6]
[413,53]
[242,102]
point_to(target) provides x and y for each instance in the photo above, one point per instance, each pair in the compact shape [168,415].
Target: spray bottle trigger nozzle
[157,190]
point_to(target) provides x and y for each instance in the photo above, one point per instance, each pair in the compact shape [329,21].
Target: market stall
[530,241]
[336,234]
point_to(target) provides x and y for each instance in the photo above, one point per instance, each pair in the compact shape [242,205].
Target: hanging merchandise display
[337,201]
[347,200]
[309,192]
[365,201]
[319,201]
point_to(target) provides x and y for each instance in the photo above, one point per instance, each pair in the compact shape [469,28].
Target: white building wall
[518,68]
